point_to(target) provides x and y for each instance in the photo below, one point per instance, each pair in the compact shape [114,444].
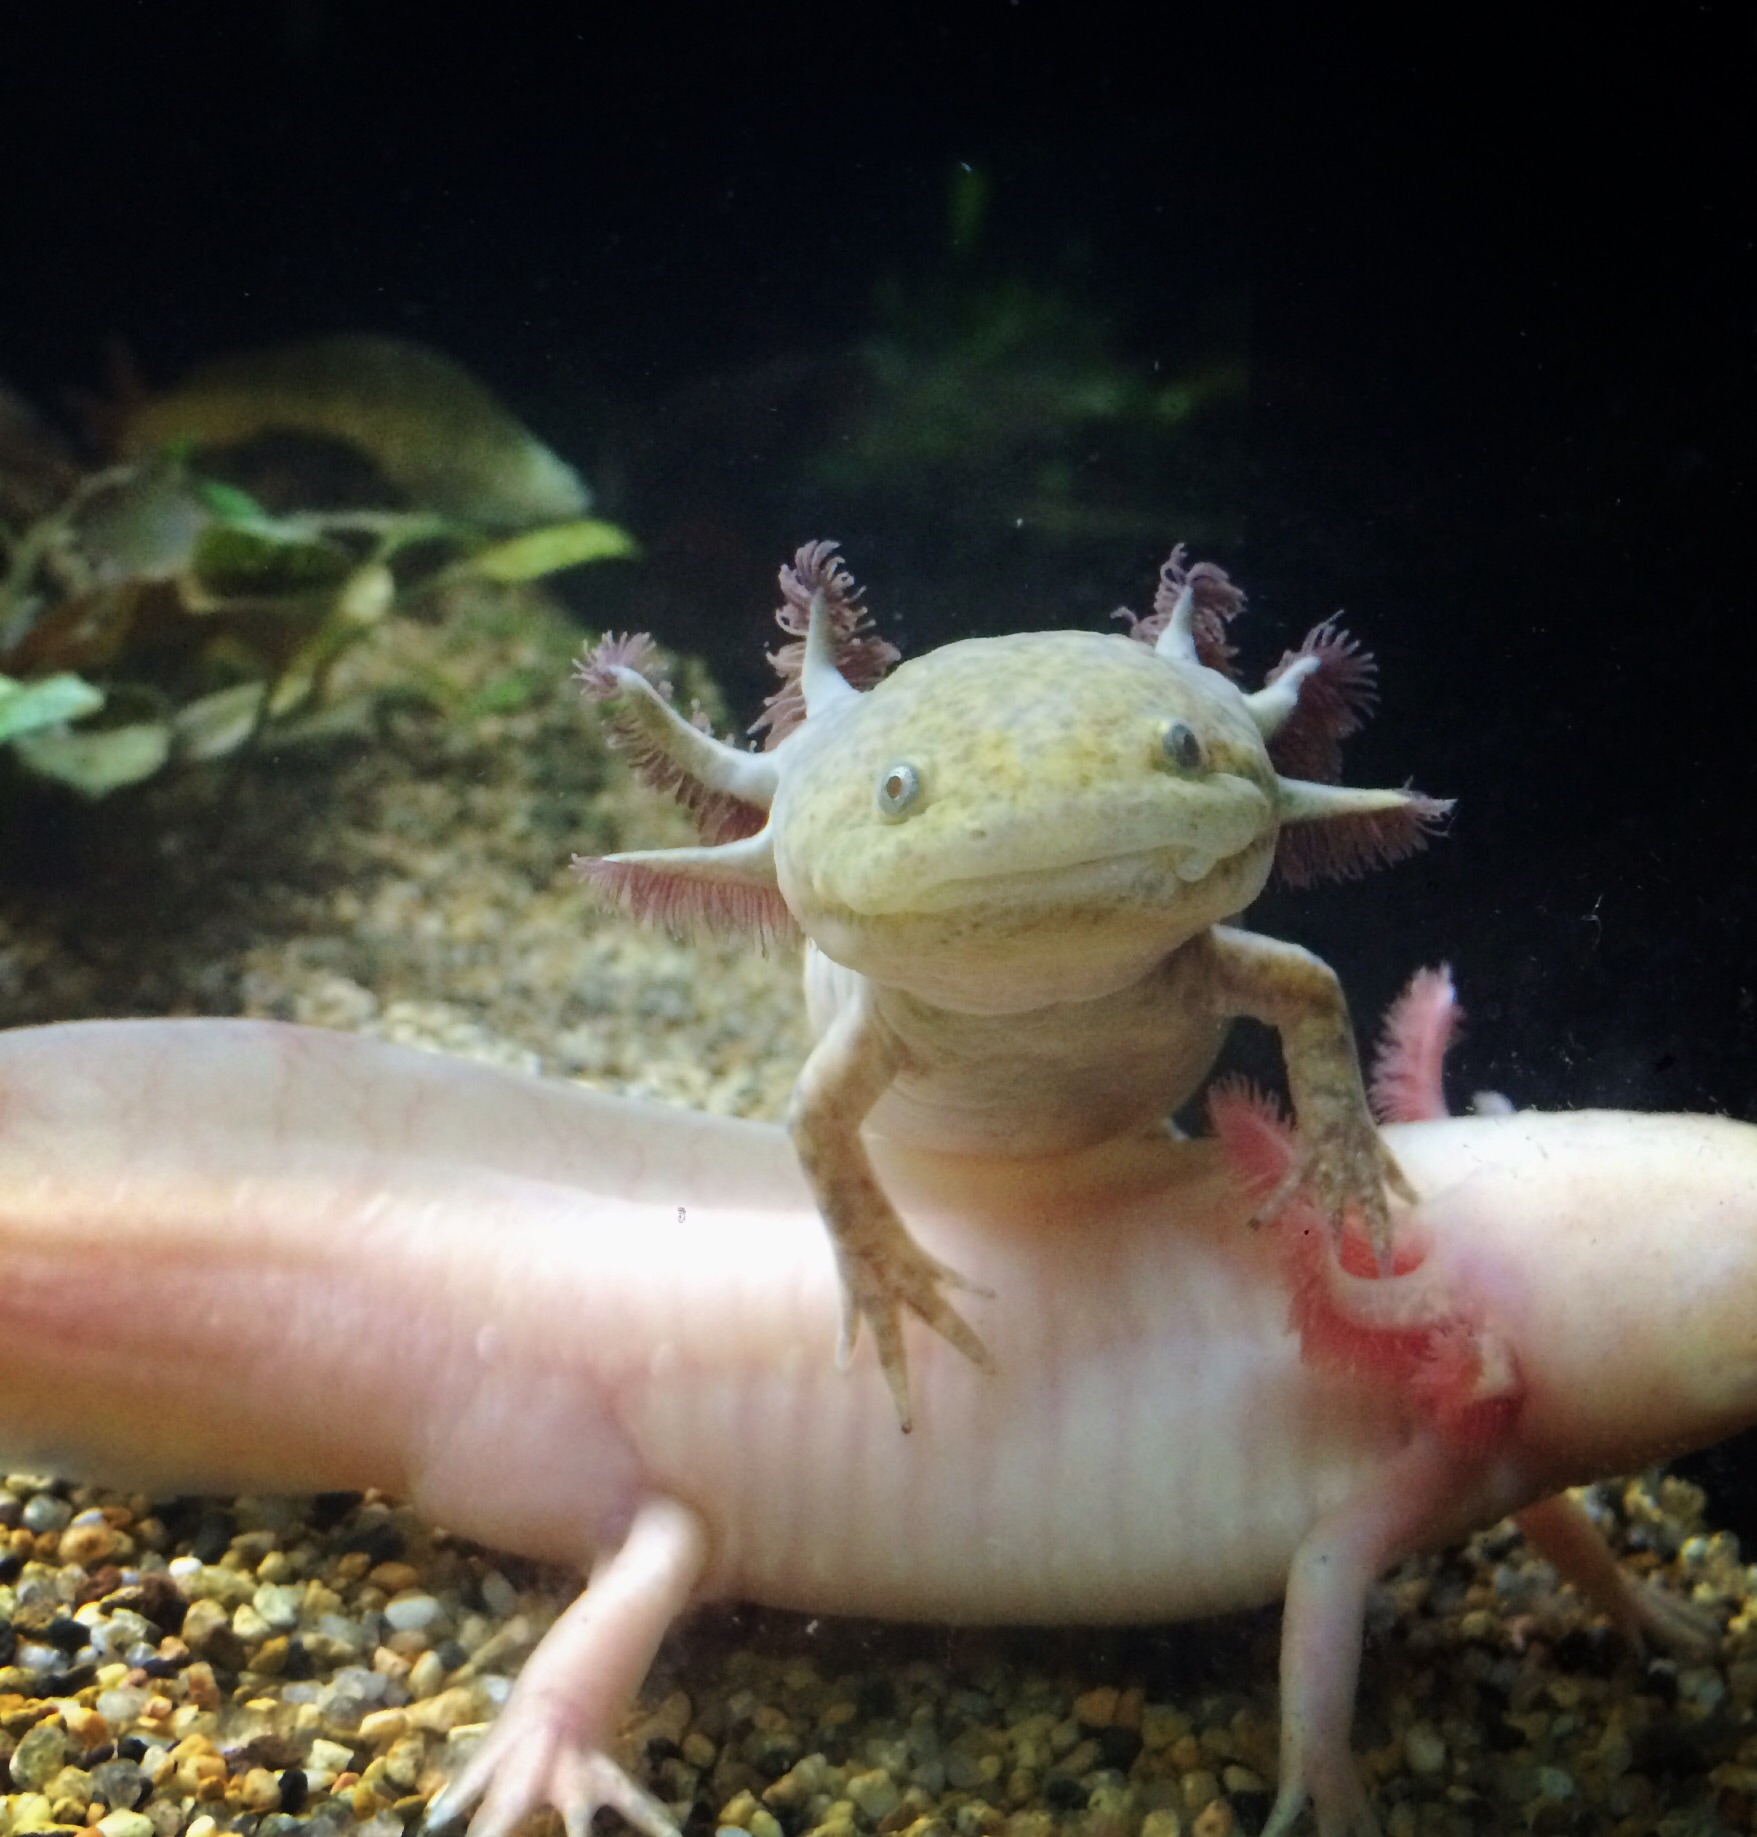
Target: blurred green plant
[160,613]
[997,398]
[1019,385]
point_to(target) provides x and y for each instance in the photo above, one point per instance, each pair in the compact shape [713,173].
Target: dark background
[1485,287]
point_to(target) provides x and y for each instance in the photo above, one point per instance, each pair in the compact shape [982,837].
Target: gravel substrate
[277,1667]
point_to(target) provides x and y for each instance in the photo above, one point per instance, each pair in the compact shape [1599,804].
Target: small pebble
[70,1793]
[119,1783]
[1096,1709]
[875,1792]
[28,1811]
[380,1727]
[403,1764]
[249,1627]
[1200,1788]
[407,1613]
[394,1576]
[88,1544]
[44,1512]
[259,1791]
[498,1595]
[87,1728]
[1423,1749]
[41,1754]
[280,1604]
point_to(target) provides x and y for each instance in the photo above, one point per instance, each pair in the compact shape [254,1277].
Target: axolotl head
[1010,821]
[1002,824]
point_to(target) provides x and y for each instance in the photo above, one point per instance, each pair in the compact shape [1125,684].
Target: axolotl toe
[1015,862]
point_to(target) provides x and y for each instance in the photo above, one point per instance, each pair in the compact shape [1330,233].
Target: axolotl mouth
[1139,850]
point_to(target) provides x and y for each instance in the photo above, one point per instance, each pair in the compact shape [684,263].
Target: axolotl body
[1014,861]
[240,1256]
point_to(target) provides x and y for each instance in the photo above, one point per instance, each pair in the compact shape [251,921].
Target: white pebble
[44,1512]
[126,1824]
[279,1603]
[498,1595]
[414,1612]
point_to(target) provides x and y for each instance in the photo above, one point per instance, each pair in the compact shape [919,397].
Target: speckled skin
[1054,853]
[1013,861]
[251,1257]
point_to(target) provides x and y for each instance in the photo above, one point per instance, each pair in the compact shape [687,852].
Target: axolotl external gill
[1015,862]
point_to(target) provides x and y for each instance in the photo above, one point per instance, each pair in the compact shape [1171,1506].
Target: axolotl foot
[550,1743]
[519,1768]
[1345,1169]
[884,1271]
[1347,1815]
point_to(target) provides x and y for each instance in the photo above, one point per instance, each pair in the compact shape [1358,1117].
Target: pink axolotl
[1018,863]
[587,1330]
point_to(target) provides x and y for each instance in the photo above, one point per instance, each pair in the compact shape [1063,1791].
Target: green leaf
[261,561]
[27,706]
[214,725]
[96,763]
[500,695]
[548,550]
[228,502]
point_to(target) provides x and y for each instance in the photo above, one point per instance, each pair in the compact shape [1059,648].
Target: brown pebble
[270,1658]
[451,1709]
[205,1620]
[1200,1789]
[403,1764]
[87,1544]
[199,1685]
[203,1774]
[1096,1709]
[86,1726]
[394,1577]
[380,1727]
[259,1791]
[99,1584]
[1214,1820]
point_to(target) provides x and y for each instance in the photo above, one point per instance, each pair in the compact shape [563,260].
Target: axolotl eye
[898,790]
[1178,742]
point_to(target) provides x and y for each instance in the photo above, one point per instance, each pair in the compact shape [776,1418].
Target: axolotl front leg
[883,1269]
[1343,1163]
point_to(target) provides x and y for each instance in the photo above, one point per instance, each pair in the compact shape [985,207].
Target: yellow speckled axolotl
[1014,861]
